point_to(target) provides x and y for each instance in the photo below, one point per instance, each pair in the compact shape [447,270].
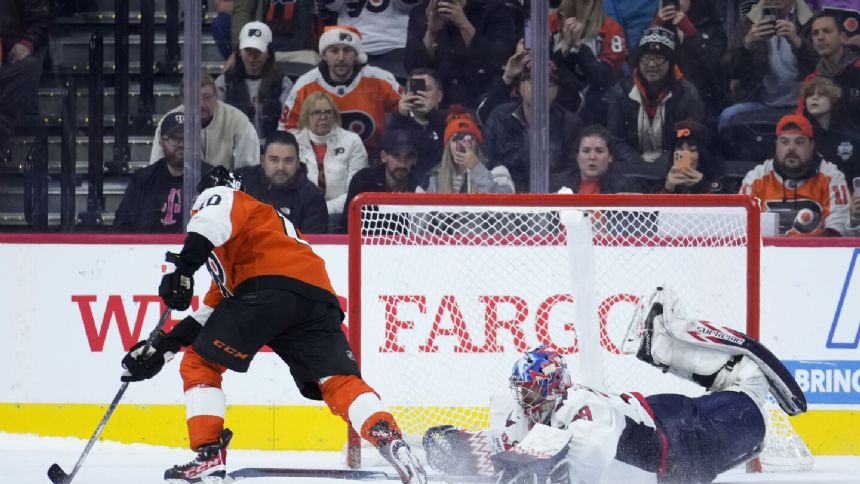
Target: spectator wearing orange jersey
[809,194]
[363,93]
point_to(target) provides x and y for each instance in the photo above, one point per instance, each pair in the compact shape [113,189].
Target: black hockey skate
[209,467]
[396,451]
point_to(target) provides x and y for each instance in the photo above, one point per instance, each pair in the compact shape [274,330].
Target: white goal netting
[452,289]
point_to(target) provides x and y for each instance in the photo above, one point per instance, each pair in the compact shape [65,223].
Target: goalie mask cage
[448,290]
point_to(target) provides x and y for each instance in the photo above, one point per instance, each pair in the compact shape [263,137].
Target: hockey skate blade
[57,475]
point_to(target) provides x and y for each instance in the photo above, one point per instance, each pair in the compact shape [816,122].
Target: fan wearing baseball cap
[254,84]
[809,194]
[366,93]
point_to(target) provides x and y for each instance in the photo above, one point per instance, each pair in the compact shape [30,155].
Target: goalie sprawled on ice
[562,432]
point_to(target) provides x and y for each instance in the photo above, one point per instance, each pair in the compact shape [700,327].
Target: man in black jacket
[24,27]
[644,107]
[153,198]
[399,155]
[420,114]
[281,180]
[465,41]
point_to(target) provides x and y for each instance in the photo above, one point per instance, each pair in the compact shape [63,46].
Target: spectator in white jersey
[254,84]
[581,430]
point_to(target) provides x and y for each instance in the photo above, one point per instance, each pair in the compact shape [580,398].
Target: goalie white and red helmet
[539,376]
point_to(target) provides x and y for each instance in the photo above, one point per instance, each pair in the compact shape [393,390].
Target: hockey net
[448,290]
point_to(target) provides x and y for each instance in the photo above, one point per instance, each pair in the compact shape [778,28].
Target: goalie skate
[209,467]
[695,349]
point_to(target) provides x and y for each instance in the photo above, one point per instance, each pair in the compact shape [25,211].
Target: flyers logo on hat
[683,133]
[345,37]
[255,33]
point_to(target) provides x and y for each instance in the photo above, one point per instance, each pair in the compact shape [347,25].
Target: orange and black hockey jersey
[805,207]
[255,248]
[362,102]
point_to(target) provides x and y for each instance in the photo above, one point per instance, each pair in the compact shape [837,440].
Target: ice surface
[25,459]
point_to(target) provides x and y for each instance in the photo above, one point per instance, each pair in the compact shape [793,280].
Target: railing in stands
[36,184]
[121,153]
[171,58]
[146,103]
[92,217]
[67,156]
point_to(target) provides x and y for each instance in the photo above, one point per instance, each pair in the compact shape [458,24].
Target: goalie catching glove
[143,362]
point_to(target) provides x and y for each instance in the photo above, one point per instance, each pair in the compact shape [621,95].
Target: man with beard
[809,195]
[281,180]
[839,60]
[363,93]
[153,198]
[399,155]
[644,107]
[227,137]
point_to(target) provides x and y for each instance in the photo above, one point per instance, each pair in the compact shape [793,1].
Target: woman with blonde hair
[592,46]
[332,154]
[463,168]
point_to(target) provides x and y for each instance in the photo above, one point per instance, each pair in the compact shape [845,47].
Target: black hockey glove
[176,290]
[143,366]
[139,366]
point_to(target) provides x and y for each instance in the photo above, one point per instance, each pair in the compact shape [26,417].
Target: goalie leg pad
[689,347]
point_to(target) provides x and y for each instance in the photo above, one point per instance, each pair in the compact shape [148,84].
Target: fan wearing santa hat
[362,93]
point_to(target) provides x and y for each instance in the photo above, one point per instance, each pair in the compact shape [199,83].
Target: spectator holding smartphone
[465,41]
[694,168]
[701,46]
[769,57]
[420,114]
[462,168]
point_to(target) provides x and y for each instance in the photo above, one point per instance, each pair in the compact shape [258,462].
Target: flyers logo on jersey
[802,216]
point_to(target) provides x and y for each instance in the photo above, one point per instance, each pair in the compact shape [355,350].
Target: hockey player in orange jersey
[269,288]
[809,194]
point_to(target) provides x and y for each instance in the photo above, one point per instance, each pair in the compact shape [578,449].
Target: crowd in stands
[652,96]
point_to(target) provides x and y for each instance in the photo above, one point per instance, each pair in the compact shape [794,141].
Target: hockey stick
[55,473]
[348,474]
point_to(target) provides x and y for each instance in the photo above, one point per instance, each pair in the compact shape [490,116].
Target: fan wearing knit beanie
[463,169]
[644,107]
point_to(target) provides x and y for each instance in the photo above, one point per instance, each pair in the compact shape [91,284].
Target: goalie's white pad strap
[204,400]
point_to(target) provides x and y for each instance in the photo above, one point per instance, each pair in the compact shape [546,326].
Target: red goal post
[445,290]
